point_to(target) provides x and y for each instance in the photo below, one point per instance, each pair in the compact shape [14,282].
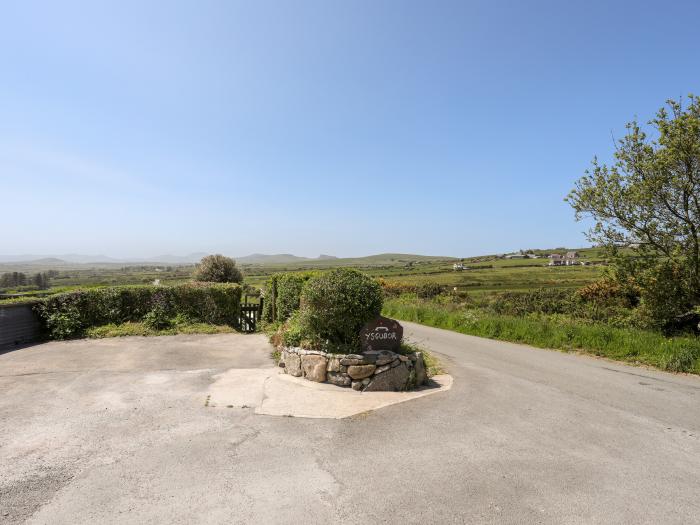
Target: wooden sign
[381,333]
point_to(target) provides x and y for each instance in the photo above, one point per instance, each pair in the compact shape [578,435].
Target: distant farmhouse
[568,259]
[521,255]
[458,267]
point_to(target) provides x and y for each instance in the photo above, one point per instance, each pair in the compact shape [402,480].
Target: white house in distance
[458,267]
[568,259]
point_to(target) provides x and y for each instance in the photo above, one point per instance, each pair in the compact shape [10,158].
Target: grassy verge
[125,329]
[432,364]
[676,354]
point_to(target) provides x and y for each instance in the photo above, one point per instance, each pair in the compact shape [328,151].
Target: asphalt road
[117,432]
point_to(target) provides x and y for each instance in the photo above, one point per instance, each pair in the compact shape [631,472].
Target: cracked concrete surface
[116,431]
[273,393]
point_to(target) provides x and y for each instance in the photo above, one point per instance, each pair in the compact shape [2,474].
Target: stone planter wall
[372,371]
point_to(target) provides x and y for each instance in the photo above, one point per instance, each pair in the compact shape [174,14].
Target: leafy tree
[219,269]
[650,196]
[41,280]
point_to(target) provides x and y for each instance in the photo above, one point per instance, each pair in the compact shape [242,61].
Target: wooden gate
[250,315]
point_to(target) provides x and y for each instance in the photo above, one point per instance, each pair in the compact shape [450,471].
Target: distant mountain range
[74,258]
[261,258]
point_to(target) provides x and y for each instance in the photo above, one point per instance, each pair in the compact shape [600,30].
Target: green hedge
[284,291]
[69,314]
[336,304]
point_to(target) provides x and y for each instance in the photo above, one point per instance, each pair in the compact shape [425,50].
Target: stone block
[419,368]
[333,364]
[314,367]
[394,379]
[292,364]
[361,371]
[338,379]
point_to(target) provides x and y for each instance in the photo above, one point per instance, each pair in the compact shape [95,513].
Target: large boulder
[395,379]
[314,367]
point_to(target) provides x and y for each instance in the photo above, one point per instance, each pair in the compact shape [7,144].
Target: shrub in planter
[336,304]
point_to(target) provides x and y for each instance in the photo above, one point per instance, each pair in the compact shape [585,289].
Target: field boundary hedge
[69,314]
[283,294]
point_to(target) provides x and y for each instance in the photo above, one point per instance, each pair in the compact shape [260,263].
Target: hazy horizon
[169,257]
[311,127]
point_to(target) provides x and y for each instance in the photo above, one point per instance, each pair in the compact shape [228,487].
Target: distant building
[516,256]
[458,267]
[568,259]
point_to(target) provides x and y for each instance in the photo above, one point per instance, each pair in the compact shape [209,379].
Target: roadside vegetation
[558,331]
[148,309]
[644,307]
[324,311]
[143,329]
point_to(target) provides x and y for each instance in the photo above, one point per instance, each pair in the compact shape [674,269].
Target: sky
[354,127]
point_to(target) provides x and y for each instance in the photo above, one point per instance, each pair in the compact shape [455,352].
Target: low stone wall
[372,371]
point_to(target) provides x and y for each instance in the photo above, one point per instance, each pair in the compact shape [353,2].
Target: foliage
[70,314]
[559,332]
[64,323]
[433,367]
[543,300]
[218,269]
[666,296]
[651,196]
[292,332]
[428,290]
[336,304]
[142,329]
[158,318]
[285,290]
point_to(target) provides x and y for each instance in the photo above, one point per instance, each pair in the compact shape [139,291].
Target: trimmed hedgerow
[69,314]
[285,290]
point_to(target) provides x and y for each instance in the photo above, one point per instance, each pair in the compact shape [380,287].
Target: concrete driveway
[116,431]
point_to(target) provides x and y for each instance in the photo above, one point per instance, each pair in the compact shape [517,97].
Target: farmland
[484,274]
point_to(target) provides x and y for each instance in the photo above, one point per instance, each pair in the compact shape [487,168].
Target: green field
[486,274]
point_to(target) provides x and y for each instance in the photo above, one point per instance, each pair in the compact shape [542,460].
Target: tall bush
[336,304]
[218,269]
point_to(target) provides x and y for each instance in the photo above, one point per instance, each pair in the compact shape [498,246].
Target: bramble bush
[69,314]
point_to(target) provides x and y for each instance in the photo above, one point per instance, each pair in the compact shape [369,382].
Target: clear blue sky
[348,128]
